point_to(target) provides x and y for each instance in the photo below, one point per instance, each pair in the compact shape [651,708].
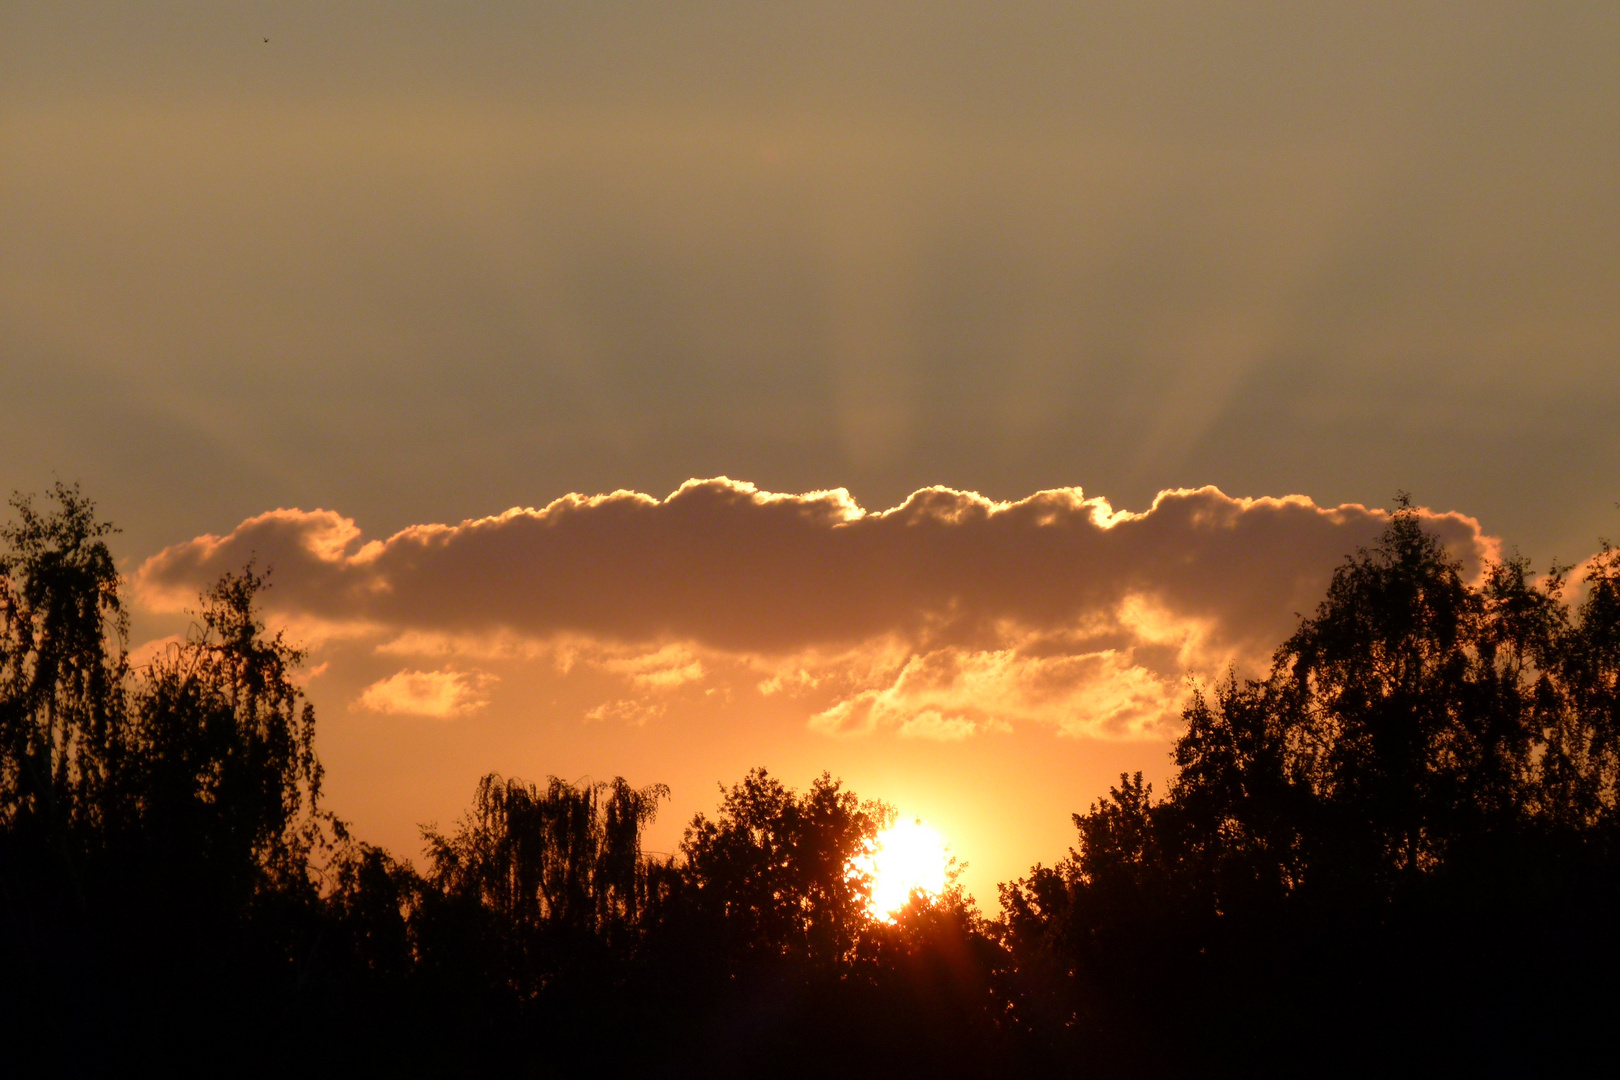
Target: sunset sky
[1054,352]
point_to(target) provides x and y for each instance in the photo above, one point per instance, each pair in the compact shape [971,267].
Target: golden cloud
[441,695]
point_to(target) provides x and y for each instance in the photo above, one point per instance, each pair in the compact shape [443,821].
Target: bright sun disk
[907,856]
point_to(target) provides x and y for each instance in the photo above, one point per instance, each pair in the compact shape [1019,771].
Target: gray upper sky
[415,262]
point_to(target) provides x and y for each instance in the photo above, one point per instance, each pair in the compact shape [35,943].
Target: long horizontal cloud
[734,568]
[1001,601]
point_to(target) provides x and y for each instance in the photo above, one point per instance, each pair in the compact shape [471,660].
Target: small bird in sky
[267,41]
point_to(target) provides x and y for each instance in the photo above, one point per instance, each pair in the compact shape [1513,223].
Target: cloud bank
[947,615]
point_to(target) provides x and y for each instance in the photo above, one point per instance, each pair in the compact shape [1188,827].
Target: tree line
[1396,849]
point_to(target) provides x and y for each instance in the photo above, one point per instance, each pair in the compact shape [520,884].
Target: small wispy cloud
[633,711]
[441,695]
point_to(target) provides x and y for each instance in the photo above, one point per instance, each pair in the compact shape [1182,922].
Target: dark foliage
[1397,851]
[1399,847]
[159,826]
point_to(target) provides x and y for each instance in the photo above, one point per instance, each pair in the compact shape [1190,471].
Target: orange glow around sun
[908,856]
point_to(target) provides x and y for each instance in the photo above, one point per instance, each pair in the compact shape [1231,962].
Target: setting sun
[908,856]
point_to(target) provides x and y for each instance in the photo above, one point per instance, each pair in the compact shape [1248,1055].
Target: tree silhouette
[159,826]
[1401,845]
[61,688]
[222,763]
[773,872]
[1382,829]
[553,877]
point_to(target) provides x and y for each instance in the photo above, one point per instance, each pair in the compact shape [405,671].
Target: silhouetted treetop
[223,744]
[562,855]
[774,871]
[62,665]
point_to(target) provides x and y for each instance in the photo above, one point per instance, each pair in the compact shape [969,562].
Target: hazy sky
[418,263]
